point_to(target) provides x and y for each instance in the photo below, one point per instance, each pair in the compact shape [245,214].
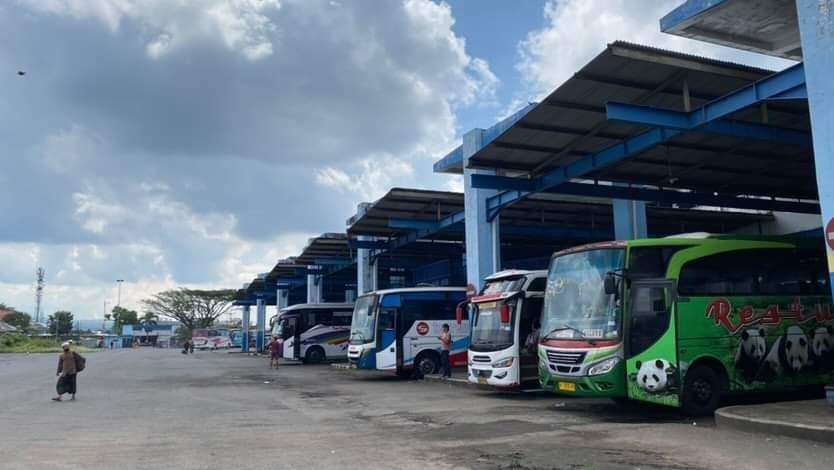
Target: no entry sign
[829,234]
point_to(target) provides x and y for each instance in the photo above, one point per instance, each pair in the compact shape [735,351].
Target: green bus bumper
[610,385]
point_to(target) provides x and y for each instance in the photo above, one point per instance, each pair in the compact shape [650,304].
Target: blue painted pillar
[315,285]
[261,325]
[244,330]
[816,30]
[629,219]
[365,269]
[483,239]
[282,296]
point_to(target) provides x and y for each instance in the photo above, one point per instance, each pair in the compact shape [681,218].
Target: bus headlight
[604,367]
[508,362]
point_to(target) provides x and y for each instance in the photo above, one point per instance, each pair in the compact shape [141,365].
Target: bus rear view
[505,325]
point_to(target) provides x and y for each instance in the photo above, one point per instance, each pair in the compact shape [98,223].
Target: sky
[195,143]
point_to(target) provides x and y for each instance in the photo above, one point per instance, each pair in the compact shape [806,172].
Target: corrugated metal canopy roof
[571,123]
[539,210]
[403,203]
[328,246]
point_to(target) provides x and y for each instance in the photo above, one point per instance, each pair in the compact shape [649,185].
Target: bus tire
[314,355]
[426,363]
[701,391]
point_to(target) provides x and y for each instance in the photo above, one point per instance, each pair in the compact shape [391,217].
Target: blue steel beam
[446,222]
[777,85]
[412,224]
[454,159]
[648,195]
[556,232]
[554,178]
[637,114]
[368,244]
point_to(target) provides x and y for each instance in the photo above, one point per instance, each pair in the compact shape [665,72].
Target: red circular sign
[829,234]
[422,328]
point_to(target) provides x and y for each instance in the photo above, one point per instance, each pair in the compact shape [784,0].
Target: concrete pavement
[805,419]
[159,409]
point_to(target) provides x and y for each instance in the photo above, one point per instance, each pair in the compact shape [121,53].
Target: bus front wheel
[701,391]
[314,356]
[426,364]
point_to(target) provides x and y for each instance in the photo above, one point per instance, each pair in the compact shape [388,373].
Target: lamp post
[119,295]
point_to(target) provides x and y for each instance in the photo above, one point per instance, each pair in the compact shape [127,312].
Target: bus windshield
[488,333]
[500,286]
[576,306]
[362,324]
[280,328]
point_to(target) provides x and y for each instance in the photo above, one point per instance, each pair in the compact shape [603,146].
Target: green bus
[683,321]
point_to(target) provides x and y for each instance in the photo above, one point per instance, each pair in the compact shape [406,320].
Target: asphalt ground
[159,409]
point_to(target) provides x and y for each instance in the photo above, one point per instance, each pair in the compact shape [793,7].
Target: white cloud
[575,31]
[369,179]
[196,142]
[241,25]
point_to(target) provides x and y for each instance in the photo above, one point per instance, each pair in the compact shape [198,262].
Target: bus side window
[649,316]
[342,318]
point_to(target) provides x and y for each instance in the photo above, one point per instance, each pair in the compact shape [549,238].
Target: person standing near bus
[274,352]
[445,349]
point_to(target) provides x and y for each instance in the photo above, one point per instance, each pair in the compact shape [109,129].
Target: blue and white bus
[314,333]
[398,330]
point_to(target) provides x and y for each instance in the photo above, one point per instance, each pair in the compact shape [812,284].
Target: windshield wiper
[566,327]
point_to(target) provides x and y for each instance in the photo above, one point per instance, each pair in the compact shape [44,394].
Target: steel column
[244,330]
[816,30]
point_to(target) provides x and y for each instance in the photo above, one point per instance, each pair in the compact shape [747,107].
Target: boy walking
[445,349]
[274,352]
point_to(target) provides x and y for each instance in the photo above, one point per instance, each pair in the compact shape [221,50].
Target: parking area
[159,409]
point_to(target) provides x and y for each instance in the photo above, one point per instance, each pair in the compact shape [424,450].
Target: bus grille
[563,357]
[480,359]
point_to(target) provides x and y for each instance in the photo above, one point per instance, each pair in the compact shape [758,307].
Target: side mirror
[610,284]
[459,314]
[505,313]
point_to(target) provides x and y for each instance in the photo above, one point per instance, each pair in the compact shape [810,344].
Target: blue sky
[195,143]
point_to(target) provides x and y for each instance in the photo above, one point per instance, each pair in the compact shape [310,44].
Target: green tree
[148,321]
[192,308]
[19,320]
[122,316]
[60,323]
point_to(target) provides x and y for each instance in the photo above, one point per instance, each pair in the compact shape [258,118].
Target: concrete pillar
[244,330]
[629,219]
[315,285]
[365,268]
[350,295]
[483,241]
[282,297]
[816,31]
[261,325]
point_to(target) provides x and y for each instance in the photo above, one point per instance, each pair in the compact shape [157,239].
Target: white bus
[314,333]
[398,330]
[505,323]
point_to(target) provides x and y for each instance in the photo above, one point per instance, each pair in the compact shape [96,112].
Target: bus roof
[515,273]
[417,289]
[292,308]
[683,239]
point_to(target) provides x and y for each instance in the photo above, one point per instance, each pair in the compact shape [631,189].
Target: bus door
[387,341]
[531,312]
[294,326]
[653,373]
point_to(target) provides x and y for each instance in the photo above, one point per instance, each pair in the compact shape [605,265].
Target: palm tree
[148,321]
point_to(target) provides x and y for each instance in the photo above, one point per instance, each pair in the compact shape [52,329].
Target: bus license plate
[482,380]
[567,387]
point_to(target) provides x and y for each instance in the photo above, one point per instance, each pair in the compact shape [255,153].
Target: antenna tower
[41,274]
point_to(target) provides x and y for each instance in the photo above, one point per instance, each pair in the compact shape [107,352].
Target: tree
[60,323]
[122,316]
[19,320]
[148,321]
[192,308]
